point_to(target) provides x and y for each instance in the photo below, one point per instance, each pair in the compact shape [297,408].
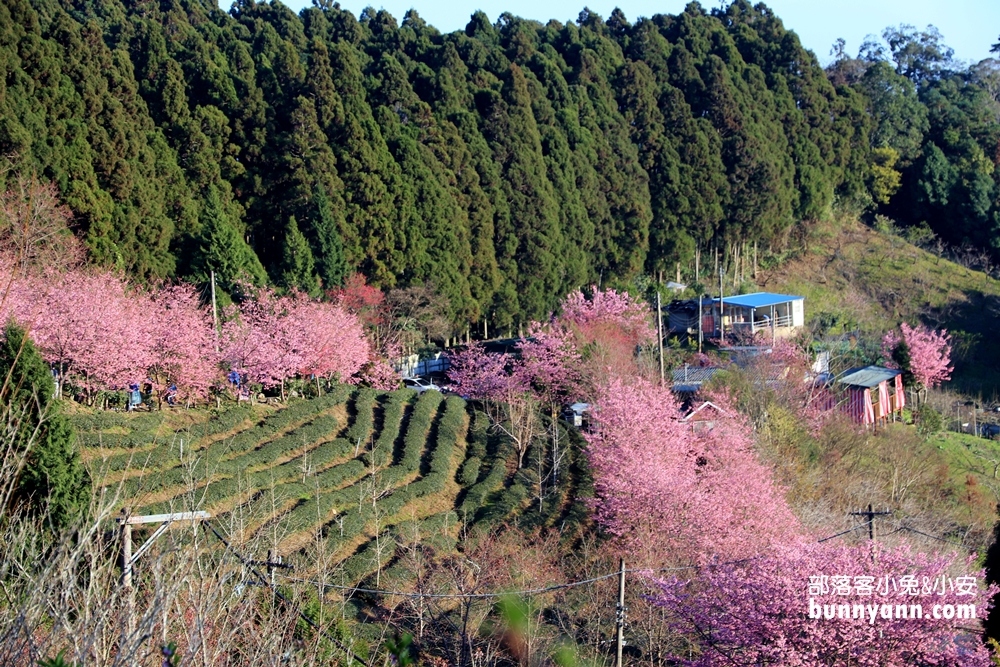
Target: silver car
[420,385]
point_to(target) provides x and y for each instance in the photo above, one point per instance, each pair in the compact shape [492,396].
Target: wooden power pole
[215,312]
[129,558]
[659,333]
[620,614]
[871,515]
[722,309]
[701,335]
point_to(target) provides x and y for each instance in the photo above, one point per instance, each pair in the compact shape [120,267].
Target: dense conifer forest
[506,164]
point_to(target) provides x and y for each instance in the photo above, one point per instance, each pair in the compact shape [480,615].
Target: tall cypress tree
[221,249]
[298,268]
[532,252]
[323,233]
[53,483]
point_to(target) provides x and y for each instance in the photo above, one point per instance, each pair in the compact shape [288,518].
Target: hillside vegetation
[507,164]
[344,473]
[862,282]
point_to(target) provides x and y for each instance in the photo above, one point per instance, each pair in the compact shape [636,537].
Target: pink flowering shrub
[691,496]
[788,607]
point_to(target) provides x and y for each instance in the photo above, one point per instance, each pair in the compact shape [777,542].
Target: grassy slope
[854,278]
[858,283]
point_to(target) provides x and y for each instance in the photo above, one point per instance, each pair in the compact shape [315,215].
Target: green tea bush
[369,557]
[477,494]
[392,417]
[364,405]
[219,457]
[469,472]
[280,475]
[318,506]
[417,429]
[221,421]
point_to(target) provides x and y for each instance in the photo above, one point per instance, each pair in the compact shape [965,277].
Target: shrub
[221,456]
[417,429]
[469,473]
[221,421]
[477,494]
[392,417]
[928,420]
[364,404]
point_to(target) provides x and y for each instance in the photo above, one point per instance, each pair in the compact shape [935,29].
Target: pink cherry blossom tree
[371,306]
[551,364]
[377,373]
[607,327]
[254,340]
[499,381]
[102,332]
[925,353]
[930,354]
[273,338]
[90,324]
[328,340]
[687,496]
[786,607]
[182,343]
[608,307]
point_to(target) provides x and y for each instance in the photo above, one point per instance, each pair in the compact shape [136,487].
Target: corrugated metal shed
[759,299]
[868,376]
[690,378]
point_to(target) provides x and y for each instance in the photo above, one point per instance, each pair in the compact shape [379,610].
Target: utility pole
[215,312]
[620,613]
[273,563]
[126,521]
[701,299]
[871,516]
[659,332]
[722,309]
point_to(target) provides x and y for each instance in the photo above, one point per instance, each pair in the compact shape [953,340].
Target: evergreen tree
[532,245]
[509,162]
[220,248]
[53,483]
[324,236]
[298,268]
[370,176]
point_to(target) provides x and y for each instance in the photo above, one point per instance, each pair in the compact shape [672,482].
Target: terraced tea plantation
[344,474]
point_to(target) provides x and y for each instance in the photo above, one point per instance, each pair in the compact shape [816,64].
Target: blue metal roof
[758,299]
[868,376]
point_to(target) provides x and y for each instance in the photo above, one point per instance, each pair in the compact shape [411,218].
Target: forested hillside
[506,165]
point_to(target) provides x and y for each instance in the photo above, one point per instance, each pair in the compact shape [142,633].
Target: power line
[858,527]
[250,566]
[933,537]
[521,593]
[530,591]
[459,596]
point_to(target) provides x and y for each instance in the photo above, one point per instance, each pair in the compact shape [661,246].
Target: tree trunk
[555,446]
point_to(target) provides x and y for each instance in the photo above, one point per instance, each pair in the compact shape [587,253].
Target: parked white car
[420,385]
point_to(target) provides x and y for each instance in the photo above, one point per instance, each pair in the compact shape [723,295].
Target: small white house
[576,412]
[778,314]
